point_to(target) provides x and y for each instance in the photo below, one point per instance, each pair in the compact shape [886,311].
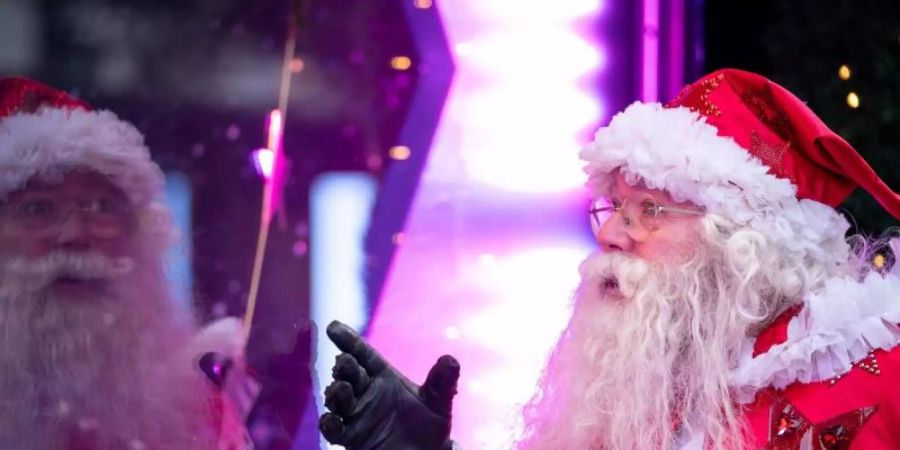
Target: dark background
[801,44]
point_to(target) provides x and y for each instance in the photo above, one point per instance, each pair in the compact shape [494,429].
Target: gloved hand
[375,407]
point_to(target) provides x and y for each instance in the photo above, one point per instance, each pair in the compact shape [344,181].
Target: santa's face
[88,327]
[75,212]
[658,320]
[647,223]
[645,351]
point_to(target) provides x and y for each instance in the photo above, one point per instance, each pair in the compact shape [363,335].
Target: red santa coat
[227,407]
[838,399]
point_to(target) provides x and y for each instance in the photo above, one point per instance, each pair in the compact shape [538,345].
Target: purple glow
[650,52]
[517,90]
[264,162]
[675,53]
[532,11]
[497,300]
[275,183]
[499,316]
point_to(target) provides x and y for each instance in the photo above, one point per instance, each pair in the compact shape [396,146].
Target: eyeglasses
[105,217]
[641,215]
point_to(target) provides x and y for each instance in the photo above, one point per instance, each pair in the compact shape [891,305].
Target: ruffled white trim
[53,137]
[837,327]
[676,150]
[225,336]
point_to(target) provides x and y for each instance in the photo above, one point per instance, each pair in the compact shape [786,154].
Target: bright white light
[264,162]
[533,148]
[535,284]
[499,314]
[520,103]
[558,110]
[264,158]
[487,260]
[551,54]
[340,204]
[462,49]
[520,98]
[452,333]
[524,174]
[531,293]
[535,11]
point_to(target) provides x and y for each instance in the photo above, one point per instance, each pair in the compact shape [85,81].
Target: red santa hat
[45,129]
[746,149]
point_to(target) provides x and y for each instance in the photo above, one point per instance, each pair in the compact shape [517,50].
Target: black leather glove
[375,407]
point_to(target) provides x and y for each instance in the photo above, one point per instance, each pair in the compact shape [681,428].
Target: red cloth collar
[776,332]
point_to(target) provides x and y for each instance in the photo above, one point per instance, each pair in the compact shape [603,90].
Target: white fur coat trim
[676,150]
[51,138]
[836,328]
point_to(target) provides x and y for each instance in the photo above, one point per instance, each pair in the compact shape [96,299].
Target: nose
[613,236]
[74,233]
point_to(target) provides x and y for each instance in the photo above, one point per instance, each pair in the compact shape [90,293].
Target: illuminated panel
[650,51]
[487,261]
[340,205]
[179,198]
[519,90]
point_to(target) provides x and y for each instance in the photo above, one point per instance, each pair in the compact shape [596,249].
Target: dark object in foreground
[373,406]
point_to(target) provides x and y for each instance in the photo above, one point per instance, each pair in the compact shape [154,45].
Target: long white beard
[640,361]
[100,372]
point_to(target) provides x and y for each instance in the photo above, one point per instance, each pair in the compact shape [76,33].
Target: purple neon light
[495,299]
[675,53]
[650,51]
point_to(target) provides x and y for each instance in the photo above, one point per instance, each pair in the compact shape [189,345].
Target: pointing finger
[350,342]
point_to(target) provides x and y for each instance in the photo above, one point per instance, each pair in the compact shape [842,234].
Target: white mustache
[31,275]
[614,270]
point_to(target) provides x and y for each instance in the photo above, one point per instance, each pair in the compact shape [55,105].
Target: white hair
[628,373]
[109,369]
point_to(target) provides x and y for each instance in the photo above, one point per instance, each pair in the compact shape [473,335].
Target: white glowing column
[467,279]
[522,91]
[340,206]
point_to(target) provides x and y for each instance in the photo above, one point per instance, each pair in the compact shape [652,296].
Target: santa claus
[94,354]
[726,308]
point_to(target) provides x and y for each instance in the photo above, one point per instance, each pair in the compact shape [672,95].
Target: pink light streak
[276,130]
[264,159]
[269,163]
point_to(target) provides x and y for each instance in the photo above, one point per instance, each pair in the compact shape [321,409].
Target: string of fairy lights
[844,73]
[880,260]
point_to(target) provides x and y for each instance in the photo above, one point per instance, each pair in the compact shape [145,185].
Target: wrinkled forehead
[69,181]
[621,184]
